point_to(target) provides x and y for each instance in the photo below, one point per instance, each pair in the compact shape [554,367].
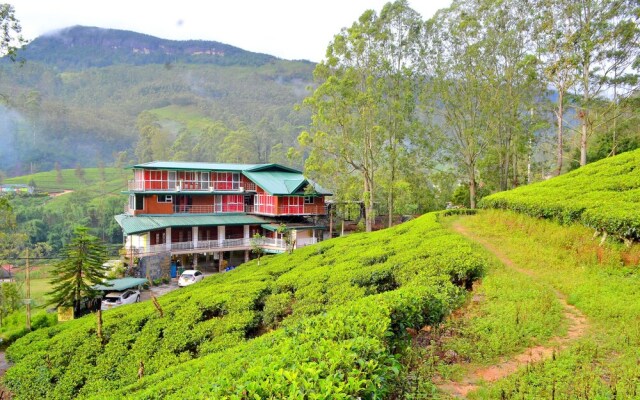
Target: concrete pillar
[167,234]
[194,236]
[246,256]
[221,234]
[247,234]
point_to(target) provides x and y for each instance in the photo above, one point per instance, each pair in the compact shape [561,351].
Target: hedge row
[604,195]
[323,322]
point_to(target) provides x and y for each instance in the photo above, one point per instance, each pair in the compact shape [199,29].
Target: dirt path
[4,365]
[578,325]
[60,193]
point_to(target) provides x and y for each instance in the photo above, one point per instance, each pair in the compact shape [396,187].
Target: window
[165,198]
[308,200]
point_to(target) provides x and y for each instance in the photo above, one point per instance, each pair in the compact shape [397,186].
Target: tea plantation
[324,322]
[604,195]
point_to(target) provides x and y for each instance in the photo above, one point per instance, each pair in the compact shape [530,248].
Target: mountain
[81,47]
[81,94]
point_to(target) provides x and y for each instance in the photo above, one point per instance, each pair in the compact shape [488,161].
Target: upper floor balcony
[307,209]
[166,185]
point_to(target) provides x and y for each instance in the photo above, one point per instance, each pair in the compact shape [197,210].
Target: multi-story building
[206,213]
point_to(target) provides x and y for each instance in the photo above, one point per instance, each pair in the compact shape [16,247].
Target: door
[172,180]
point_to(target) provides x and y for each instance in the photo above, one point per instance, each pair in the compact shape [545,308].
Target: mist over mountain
[79,96]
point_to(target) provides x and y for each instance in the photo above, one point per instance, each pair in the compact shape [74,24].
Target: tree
[11,240]
[79,172]
[346,125]
[400,30]
[10,299]
[11,39]
[78,271]
[461,91]
[257,241]
[554,31]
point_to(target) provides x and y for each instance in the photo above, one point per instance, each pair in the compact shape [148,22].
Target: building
[193,213]
[16,188]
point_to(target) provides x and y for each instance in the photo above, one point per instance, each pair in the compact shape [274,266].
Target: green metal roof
[204,166]
[145,223]
[283,183]
[118,285]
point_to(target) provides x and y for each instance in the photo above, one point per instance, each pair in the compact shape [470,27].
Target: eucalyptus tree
[554,35]
[461,91]
[400,29]
[345,132]
[517,88]
[605,47]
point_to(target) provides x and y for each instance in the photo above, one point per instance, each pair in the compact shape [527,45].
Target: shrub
[323,322]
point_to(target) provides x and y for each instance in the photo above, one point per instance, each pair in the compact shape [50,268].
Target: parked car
[189,277]
[116,299]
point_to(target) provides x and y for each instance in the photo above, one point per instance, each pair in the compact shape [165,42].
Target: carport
[119,285]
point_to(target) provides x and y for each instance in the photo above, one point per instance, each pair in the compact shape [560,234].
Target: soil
[60,193]
[577,321]
[4,365]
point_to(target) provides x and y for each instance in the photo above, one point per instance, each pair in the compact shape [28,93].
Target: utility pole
[28,299]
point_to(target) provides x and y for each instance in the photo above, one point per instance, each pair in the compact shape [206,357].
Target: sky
[289,29]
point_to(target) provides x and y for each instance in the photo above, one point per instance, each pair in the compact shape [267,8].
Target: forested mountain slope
[323,322]
[604,195]
[79,96]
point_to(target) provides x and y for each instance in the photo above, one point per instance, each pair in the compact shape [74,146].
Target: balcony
[204,246]
[307,209]
[152,185]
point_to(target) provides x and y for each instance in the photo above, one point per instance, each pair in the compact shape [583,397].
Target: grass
[595,279]
[506,313]
[105,180]
[40,285]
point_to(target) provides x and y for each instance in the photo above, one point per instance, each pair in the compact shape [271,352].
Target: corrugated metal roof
[144,223]
[197,166]
[277,182]
[121,284]
[205,166]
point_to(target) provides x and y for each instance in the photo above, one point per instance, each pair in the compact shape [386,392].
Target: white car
[116,299]
[189,277]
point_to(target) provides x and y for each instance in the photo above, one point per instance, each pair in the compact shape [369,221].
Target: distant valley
[85,96]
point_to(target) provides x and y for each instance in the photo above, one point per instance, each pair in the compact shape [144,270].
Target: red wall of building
[151,206]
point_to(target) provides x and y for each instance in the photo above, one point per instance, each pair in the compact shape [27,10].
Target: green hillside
[95,180]
[323,322]
[78,100]
[89,197]
[604,195]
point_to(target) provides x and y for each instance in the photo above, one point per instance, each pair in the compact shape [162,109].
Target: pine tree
[79,270]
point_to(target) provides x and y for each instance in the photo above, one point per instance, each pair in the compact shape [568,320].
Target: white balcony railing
[163,185]
[202,245]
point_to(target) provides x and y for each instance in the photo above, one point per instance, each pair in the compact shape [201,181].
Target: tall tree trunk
[583,140]
[472,187]
[368,203]
[560,118]
[391,191]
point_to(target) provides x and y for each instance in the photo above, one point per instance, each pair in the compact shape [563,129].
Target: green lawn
[603,363]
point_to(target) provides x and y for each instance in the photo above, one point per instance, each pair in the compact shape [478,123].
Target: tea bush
[604,195]
[323,322]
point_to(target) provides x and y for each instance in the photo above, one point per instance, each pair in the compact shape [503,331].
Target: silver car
[190,276]
[116,299]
